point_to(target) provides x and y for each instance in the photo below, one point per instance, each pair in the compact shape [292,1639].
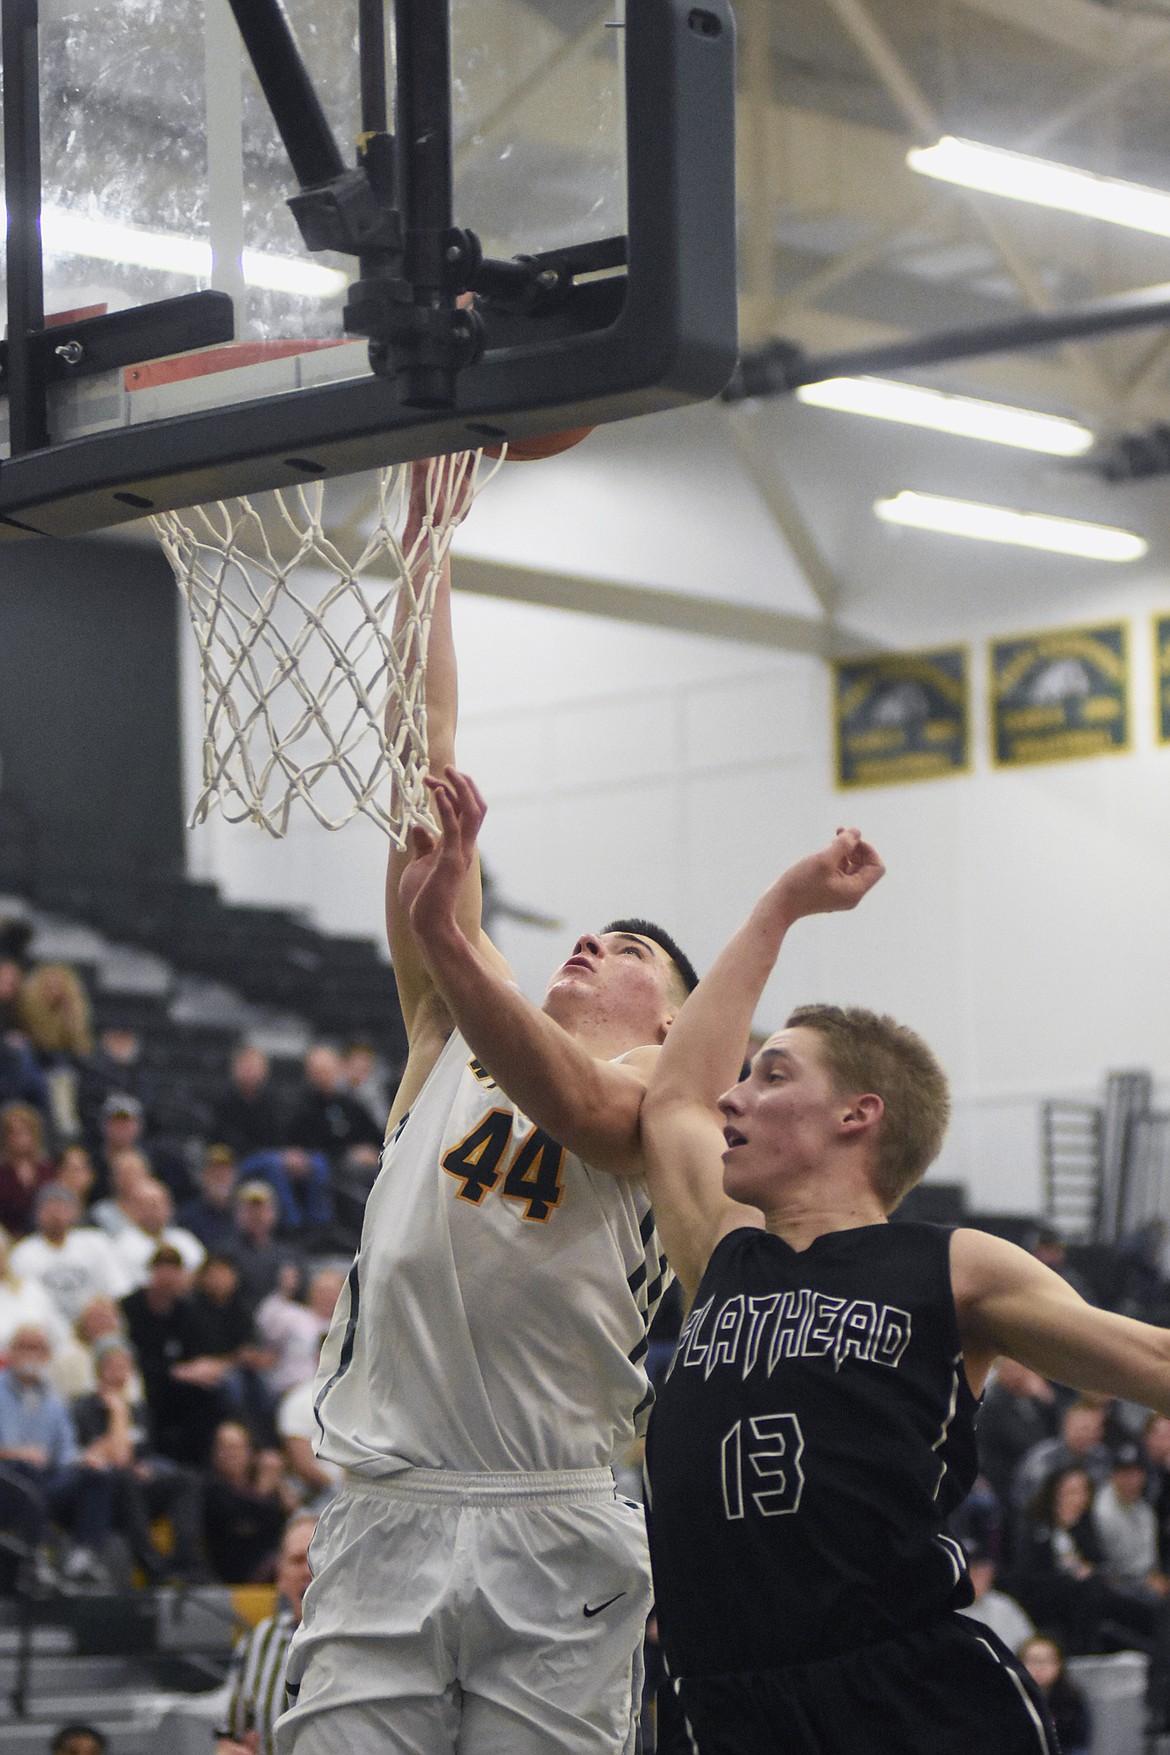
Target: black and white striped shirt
[256,1678]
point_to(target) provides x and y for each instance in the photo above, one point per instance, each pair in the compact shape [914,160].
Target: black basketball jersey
[814,1431]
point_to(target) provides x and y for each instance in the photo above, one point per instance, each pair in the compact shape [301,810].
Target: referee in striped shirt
[258,1662]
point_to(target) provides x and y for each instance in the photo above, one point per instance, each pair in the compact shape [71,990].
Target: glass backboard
[164,173]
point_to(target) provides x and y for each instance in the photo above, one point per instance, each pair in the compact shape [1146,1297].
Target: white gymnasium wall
[1022,927]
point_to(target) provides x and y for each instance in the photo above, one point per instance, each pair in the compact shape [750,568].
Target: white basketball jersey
[496,1315]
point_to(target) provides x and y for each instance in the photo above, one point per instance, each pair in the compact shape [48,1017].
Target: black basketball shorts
[951,1688]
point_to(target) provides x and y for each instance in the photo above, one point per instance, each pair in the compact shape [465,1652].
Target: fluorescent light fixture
[65,232]
[918,406]
[1063,536]
[996,171]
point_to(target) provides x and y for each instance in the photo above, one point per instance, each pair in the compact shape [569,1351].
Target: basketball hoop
[303,647]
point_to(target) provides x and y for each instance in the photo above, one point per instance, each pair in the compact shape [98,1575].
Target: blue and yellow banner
[1162,675]
[1060,695]
[901,716]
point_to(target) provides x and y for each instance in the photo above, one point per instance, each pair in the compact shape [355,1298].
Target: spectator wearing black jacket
[111,1424]
[183,1386]
[248,1119]
[328,1118]
[1018,1412]
[1058,1572]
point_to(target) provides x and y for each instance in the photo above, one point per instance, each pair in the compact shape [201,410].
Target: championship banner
[901,716]
[1060,695]
[1162,675]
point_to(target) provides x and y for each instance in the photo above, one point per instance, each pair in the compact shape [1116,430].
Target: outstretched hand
[833,880]
[432,881]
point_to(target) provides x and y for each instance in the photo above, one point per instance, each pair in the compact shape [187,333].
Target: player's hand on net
[440,490]
[834,879]
[433,878]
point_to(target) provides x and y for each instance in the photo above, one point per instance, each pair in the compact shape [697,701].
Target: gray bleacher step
[53,1674]
[58,1640]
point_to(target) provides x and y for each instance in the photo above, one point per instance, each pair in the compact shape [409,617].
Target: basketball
[546,445]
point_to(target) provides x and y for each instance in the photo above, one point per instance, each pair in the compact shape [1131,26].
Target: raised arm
[1008,1302]
[589,1106]
[682,1128]
[426,1020]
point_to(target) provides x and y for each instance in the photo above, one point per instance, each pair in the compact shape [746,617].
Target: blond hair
[868,1052]
[25,1112]
[53,1011]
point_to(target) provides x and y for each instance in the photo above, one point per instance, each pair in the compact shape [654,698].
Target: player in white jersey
[479,1585]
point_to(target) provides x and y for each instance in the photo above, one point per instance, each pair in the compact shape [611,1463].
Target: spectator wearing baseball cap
[1126,1526]
[211,1215]
[122,1121]
[263,1260]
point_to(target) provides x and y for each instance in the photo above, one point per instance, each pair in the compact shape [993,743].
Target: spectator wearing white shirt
[994,1607]
[295,1331]
[25,1301]
[1126,1526]
[73,1262]
[129,1169]
[152,1211]
[297,1426]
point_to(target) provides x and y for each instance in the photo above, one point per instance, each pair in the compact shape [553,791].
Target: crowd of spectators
[1068,1526]
[162,1300]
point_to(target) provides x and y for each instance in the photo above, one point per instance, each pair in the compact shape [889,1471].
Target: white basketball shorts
[479,1614]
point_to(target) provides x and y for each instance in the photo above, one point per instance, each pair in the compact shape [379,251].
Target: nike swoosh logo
[589,1613]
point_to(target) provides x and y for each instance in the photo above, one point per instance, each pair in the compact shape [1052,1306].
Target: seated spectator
[1043,1659]
[122,1127]
[115,1429]
[1059,1577]
[74,1370]
[211,1216]
[293,1331]
[297,1425]
[25,1166]
[257,1675]
[225,1334]
[24,1302]
[21,1078]
[151,1212]
[128,1170]
[244,1508]
[1049,1247]
[258,1255]
[1080,1443]
[300,1182]
[73,1262]
[14,942]
[184,1405]
[75,1171]
[248,1119]
[54,1015]
[327,1118]
[115,1067]
[1126,1526]
[79,1739]
[39,1453]
[978,1521]
[364,1081]
[995,1608]
[1019,1411]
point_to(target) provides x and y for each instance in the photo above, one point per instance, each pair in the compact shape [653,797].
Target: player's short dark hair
[78,1730]
[647,929]
[867,1051]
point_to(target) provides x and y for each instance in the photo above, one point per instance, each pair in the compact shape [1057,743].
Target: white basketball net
[302,649]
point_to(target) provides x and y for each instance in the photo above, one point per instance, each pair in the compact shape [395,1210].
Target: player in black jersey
[817,1423]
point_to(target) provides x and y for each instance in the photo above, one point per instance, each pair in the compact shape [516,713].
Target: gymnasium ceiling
[842,245]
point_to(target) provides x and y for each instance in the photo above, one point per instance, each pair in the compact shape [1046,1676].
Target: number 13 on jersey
[770,1447]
